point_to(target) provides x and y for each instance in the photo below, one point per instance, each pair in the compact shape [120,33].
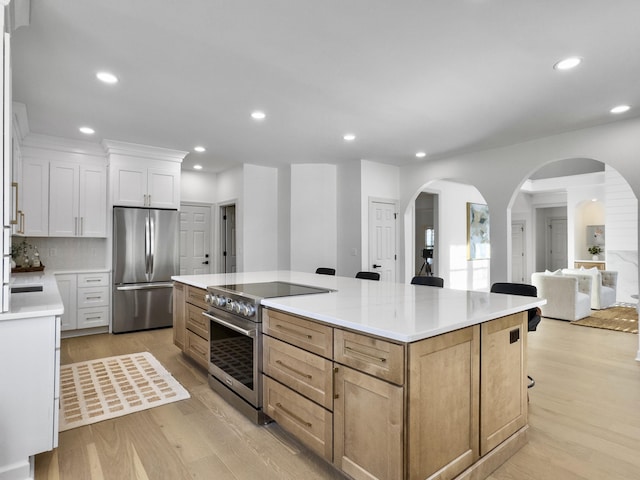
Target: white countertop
[406,313]
[34,304]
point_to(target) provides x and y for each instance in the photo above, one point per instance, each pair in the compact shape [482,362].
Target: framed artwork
[595,235]
[478,239]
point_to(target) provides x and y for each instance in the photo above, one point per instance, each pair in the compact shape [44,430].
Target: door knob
[205,262]
[376,266]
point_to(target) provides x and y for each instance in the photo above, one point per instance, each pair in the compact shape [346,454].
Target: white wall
[621,235]
[198,187]
[284,218]
[260,218]
[349,244]
[313,217]
[498,173]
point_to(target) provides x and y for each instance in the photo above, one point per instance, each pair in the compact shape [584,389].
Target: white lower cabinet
[30,354]
[86,300]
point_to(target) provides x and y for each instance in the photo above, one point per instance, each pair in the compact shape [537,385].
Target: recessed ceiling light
[620,109]
[421,154]
[87,130]
[349,137]
[258,115]
[199,149]
[594,199]
[568,63]
[107,77]
[197,167]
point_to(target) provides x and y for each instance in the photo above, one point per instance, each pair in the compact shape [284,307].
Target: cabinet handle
[88,280]
[94,298]
[75,220]
[364,354]
[298,372]
[21,224]
[149,197]
[14,221]
[81,226]
[294,332]
[293,415]
[197,349]
[335,372]
[93,318]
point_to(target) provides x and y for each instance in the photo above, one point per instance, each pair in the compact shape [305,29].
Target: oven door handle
[247,333]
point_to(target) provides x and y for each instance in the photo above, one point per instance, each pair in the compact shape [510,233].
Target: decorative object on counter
[36,258]
[22,259]
[111,387]
[595,250]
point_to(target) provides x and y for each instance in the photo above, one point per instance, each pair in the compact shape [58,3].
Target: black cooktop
[273,289]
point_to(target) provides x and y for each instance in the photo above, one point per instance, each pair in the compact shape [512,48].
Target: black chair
[325,271]
[524,290]
[368,275]
[428,281]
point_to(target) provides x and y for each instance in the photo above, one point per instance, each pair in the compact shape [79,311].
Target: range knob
[248,310]
[221,301]
[208,298]
[236,307]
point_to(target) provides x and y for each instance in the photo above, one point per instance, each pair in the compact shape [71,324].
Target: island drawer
[303,333]
[304,372]
[196,322]
[197,348]
[195,296]
[307,421]
[374,356]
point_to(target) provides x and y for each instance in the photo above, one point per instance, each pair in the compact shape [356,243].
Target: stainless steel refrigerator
[145,256]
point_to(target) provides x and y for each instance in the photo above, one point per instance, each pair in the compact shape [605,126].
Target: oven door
[236,355]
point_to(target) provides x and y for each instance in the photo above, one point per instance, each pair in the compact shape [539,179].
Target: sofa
[603,285]
[568,296]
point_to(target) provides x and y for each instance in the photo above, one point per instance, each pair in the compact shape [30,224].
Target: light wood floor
[584,418]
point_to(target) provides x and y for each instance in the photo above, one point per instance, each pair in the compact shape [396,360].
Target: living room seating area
[603,285]
[571,294]
[568,296]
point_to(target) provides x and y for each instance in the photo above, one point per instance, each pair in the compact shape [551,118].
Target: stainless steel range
[235,338]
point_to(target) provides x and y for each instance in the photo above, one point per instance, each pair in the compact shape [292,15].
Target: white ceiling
[443,76]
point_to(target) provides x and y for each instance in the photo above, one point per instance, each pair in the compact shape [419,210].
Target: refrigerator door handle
[147,241]
[152,243]
[145,287]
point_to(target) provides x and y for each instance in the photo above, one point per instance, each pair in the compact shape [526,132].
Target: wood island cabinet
[452,406]
[503,389]
[190,327]
[179,306]
[434,409]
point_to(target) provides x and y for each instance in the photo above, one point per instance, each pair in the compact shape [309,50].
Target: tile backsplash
[69,253]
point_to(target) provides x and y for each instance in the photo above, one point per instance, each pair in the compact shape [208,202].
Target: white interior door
[195,239]
[382,239]
[518,257]
[557,239]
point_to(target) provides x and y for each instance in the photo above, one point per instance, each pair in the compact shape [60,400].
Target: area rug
[620,318]
[97,390]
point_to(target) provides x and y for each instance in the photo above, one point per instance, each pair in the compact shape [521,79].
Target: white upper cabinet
[143,176]
[146,187]
[93,201]
[77,200]
[33,215]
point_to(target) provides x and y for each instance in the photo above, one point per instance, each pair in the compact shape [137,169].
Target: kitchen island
[387,380]
[30,373]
